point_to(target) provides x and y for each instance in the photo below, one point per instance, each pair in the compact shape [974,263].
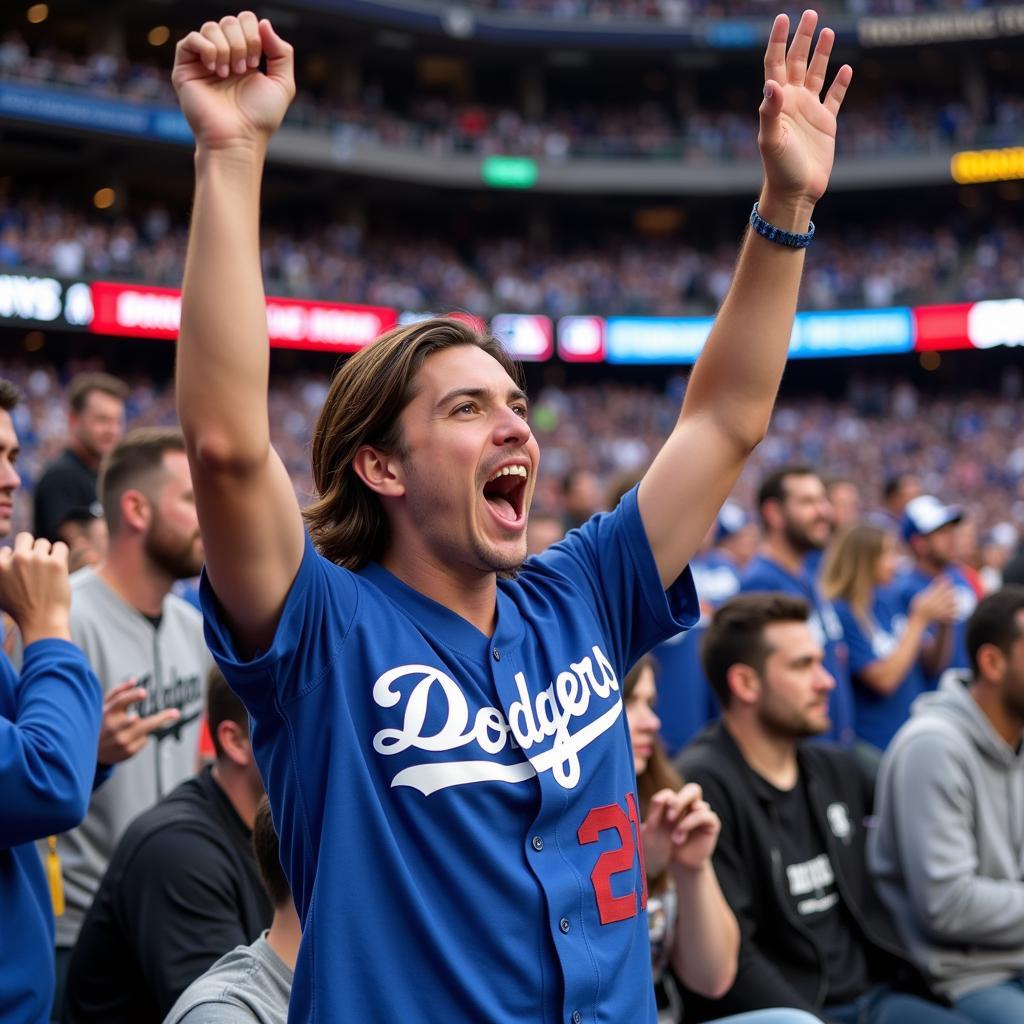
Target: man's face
[806,513]
[1013,676]
[469,463]
[846,504]
[583,498]
[909,489]
[99,426]
[795,685]
[172,541]
[9,479]
[938,547]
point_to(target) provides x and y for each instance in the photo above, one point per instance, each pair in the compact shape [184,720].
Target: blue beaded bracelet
[794,239]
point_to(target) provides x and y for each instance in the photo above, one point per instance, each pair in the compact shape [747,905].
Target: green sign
[509,171]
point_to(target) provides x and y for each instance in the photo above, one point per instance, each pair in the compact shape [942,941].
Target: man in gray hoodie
[948,850]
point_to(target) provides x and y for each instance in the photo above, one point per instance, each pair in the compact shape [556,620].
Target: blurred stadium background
[577,173]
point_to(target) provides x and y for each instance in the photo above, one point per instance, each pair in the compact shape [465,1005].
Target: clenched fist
[34,587]
[227,101]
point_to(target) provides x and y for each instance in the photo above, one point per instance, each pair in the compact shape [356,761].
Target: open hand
[798,129]
[680,828]
[122,732]
[226,99]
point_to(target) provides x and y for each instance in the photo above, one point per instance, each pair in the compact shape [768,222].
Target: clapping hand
[680,829]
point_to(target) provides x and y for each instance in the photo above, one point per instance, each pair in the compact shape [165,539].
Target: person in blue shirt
[886,645]
[437,719]
[687,703]
[796,519]
[928,529]
[49,730]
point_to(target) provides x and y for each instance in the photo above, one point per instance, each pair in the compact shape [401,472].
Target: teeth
[510,471]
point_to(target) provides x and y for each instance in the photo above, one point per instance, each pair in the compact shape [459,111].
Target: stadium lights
[158,35]
[972,167]
[103,199]
[37,13]
[509,171]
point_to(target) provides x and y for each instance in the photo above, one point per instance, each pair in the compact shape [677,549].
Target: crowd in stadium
[892,264]
[646,129]
[898,585]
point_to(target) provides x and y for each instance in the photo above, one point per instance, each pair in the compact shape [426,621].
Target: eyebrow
[514,395]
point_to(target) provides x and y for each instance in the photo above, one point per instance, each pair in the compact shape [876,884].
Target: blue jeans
[997,1004]
[771,1017]
[881,1005]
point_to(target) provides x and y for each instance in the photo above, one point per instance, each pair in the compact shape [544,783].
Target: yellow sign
[971,167]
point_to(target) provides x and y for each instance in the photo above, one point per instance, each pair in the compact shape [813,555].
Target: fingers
[23,544]
[250,26]
[238,56]
[818,67]
[837,93]
[60,552]
[796,59]
[700,818]
[138,730]
[122,696]
[775,55]
[196,48]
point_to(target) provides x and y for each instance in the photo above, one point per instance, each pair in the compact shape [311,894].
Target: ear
[744,684]
[234,741]
[991,663]
[380,472]
[136,510]
[771,513]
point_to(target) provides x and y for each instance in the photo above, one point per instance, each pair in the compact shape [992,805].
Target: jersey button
[497,654]
[538,843]
[564,925]
[577,1017]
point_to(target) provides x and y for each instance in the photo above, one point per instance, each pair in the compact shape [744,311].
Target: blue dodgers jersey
[763,573]
[910,583]
[686,702]
[457,812]
[879,716]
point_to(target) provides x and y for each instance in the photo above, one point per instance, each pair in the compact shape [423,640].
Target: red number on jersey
[612,862]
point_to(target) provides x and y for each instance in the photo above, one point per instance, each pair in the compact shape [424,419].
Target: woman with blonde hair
[885,645]
[691,926]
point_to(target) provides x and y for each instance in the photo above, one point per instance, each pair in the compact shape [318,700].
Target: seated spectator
[251,984]
[885,645]
[948,849]
[182,887]
[790,857]
[49,724]
[929,528]
[692,929]
[797,521]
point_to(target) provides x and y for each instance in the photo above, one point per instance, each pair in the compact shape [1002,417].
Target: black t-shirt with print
[814,897]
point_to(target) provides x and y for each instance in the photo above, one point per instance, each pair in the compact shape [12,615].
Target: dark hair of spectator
[10,396]
[995,621]
[268,856]
[222,706]
[136,462]
[773,486]
[736,635]
[660,773]
[84,384]
[347,521]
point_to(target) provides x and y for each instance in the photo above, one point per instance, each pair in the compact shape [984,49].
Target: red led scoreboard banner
[145,312]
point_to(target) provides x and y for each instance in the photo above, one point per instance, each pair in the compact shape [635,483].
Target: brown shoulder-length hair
[347,521]
[849,571]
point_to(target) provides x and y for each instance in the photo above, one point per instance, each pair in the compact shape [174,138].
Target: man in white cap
[927,528]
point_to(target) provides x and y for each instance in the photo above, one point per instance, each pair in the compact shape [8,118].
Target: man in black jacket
[182,888]
[790,858]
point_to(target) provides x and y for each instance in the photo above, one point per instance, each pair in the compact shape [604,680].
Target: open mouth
[505,493]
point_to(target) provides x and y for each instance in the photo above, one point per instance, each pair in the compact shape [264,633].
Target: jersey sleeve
[48,747]
[610,562]
[317,613]
[861,652]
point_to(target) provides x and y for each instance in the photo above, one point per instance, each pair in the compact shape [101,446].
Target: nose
[9,478]
[511,430]
[825,680]
[652,721]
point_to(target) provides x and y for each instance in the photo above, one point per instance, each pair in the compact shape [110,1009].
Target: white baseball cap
[925,514]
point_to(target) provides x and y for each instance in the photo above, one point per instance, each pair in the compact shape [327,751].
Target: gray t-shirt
[249,984]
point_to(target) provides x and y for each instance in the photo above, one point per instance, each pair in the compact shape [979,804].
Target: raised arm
[732,389]
[248,512]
